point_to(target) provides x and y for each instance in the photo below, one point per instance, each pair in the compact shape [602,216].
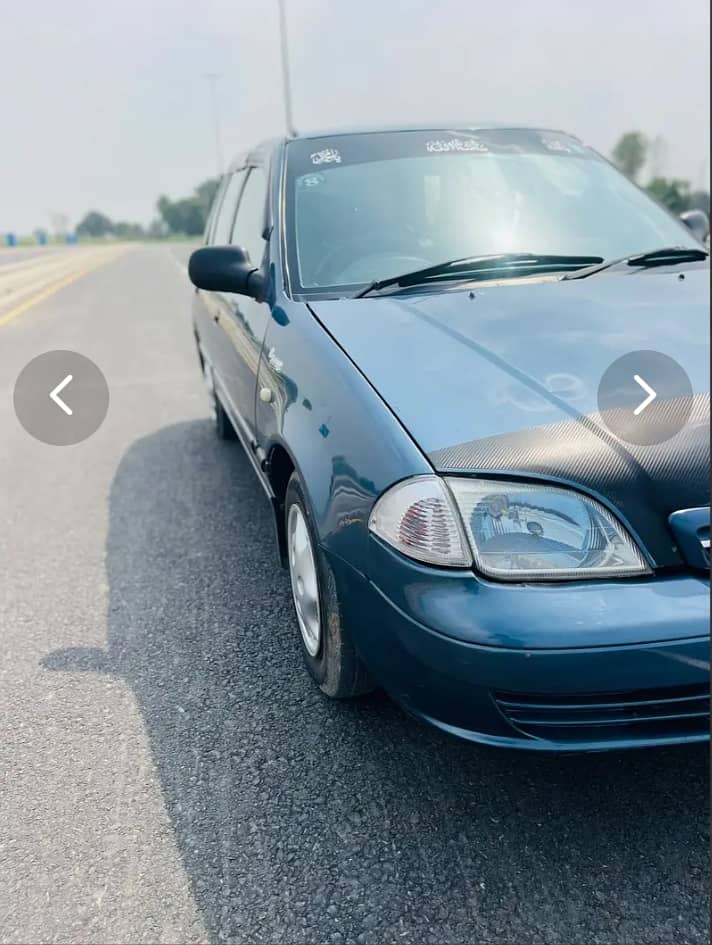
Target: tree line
[183,217]
[186,216]
[634,151]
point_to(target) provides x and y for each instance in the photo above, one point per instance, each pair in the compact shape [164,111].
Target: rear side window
[226,211]
[250,221]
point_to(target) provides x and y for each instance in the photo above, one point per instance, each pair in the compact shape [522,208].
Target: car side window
[226,212]
[213,212]
[250,220]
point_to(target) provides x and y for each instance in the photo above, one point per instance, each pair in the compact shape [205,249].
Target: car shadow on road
[299,819]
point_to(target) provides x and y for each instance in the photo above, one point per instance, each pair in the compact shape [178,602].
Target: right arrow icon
[648,390]
[631,384]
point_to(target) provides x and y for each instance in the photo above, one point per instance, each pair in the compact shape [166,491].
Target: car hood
[505,378]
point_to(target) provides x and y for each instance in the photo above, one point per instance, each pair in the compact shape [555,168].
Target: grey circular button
[61,398]
[645,398]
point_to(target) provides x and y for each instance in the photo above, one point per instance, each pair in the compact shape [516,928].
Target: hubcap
[305,584]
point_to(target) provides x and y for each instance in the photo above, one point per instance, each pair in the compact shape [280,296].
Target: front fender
[345,443]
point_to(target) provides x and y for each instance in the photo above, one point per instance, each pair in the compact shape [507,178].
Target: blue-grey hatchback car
[470,367]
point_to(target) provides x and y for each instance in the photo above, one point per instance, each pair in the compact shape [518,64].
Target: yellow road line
[15,289]
[39,262]
[51,289]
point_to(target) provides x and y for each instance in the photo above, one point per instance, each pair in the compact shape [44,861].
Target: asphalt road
[170,773]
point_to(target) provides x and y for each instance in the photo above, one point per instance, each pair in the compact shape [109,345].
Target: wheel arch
[279,467]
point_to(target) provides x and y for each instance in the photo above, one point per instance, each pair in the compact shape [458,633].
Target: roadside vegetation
[180,218]
[635,153]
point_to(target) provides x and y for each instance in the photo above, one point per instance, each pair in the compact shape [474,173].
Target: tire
[328,652]
[224,429]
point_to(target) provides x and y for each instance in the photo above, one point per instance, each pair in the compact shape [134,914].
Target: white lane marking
[648,390]
[54,395]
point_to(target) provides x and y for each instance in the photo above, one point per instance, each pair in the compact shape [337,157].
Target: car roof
[261,152]
[467,125]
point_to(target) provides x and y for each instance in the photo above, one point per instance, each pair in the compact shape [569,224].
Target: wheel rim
[305,582]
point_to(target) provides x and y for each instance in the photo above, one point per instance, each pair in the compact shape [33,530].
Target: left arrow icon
[63,381]
[54,395]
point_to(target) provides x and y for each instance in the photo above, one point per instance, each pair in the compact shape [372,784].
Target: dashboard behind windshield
[365,207]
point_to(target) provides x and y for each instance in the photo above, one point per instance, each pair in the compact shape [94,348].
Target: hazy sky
[104,104]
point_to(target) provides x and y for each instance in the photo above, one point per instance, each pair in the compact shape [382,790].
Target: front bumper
[576,667]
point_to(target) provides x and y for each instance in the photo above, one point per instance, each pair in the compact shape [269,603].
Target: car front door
[242,319]
[208,305]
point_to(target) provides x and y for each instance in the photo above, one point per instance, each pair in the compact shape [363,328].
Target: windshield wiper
[657,257]
[512,263]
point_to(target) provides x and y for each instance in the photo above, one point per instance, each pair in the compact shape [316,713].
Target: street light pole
[286,88]
[212,78]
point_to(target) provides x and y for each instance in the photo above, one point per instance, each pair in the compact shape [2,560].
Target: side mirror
[225,269]
[698,222]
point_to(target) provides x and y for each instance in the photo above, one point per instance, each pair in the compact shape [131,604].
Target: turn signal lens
[419,519]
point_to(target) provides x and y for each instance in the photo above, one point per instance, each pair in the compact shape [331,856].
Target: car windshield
[365,207]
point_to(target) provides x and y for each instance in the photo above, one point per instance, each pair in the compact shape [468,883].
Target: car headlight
[515,531]
[528,531]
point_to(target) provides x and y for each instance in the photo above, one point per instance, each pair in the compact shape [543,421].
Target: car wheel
[223,426]
[327,649]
